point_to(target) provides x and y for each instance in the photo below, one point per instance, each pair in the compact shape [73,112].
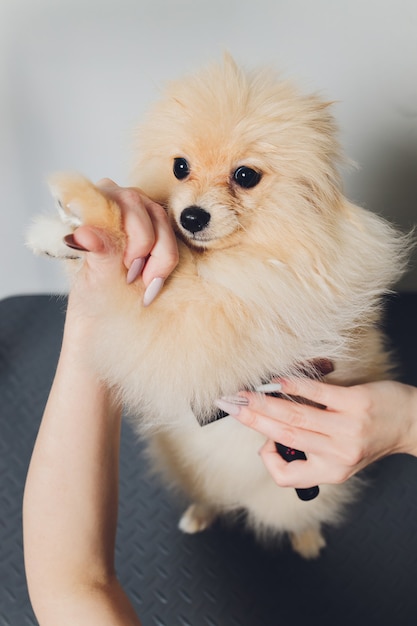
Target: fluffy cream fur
[284,273]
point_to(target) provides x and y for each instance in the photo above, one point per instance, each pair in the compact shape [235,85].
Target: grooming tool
[289,454]
[316,369]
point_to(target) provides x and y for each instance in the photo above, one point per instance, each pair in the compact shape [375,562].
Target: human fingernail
[71,243]
[269,388]
[134,270]
[231,404]
[152,291]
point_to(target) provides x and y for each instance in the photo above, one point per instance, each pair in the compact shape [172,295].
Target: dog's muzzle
[194,219]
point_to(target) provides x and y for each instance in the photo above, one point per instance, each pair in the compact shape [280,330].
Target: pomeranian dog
[277,270]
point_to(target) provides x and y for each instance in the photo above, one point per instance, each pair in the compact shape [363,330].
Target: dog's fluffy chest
[210,333]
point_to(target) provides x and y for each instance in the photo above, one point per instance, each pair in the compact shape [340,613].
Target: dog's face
[213,195]
[229,154]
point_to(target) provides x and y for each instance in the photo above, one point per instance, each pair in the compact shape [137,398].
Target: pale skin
[70,501]
[359,425]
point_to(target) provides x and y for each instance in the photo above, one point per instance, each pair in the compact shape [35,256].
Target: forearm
[406,411]
[70,503]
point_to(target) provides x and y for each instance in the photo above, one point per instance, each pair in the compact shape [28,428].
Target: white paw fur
[46,237]
[196,518]
[308,543]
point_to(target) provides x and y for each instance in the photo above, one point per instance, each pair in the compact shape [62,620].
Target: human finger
[271,415]
[85,239]
[102,264]
[315,470]
[137,223]
[150,237]
[102,254]
[297,474]
[107,184]
[323,394]
[267,423]
[164,255]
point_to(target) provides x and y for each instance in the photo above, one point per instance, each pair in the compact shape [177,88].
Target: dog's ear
[232,69]
[229,62]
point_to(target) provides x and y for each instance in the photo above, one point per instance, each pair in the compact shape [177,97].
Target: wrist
[76,368]
[408,407]
[413,422]
[79,320]
[77,382]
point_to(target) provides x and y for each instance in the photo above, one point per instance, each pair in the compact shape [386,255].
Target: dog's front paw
[78,202]
[196,518]
[308,543]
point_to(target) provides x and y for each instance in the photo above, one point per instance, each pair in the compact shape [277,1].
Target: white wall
[76,75]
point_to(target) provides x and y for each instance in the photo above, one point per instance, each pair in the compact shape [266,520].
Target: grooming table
[222,577]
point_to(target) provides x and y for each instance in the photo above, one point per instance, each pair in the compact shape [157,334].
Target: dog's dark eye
[246,177]
[181,168]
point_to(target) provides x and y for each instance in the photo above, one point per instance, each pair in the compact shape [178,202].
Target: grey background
[77,75]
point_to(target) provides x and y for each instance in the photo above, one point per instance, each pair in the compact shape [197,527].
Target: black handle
[290,454]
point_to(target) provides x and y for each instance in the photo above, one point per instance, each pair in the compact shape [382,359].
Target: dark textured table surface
[366,576]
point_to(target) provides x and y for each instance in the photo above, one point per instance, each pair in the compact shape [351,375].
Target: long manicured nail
[152,291]
[231,404]
[269,388]
[71,243]
[134,270]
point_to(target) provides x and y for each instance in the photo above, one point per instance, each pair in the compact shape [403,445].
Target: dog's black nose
[194,219]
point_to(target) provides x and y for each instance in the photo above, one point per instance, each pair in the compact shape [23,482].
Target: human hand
[357,426]
[151,249]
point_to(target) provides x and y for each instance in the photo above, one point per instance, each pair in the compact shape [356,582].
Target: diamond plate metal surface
[367,575]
